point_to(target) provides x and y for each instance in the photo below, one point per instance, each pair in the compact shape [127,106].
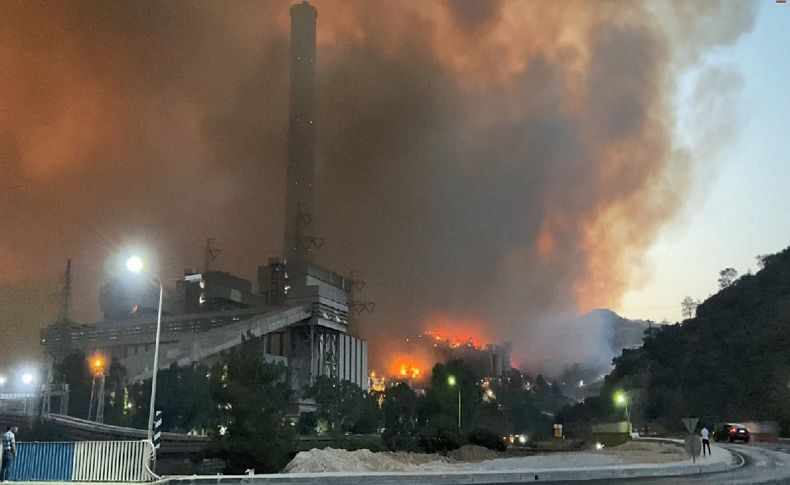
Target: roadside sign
[693,446]
[690,423]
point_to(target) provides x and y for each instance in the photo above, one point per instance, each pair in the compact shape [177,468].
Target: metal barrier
[85,461]
[112,461]
[43,461]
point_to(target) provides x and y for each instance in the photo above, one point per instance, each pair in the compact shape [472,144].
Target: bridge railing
[84,461]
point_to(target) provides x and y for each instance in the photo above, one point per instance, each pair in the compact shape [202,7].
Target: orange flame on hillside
[414,357]
[404,366]
[457,331]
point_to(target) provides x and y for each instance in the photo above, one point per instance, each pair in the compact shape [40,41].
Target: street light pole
[621,398]
[452,382]
[135,265]
[628,417]
[156,365]
[459,407]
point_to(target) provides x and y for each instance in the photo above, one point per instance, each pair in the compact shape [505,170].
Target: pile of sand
[476,458]
[472,453]
[334,460]
[648,452]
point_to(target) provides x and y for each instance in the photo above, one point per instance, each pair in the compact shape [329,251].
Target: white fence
[113,461]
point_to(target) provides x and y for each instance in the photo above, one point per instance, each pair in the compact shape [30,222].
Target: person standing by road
[705,439]
[9,453]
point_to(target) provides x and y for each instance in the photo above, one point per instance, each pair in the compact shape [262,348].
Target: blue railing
[43,461]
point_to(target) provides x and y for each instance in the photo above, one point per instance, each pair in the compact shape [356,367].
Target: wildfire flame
[408,365]
[455,342]
[415,355]
[409,371]
[457,330]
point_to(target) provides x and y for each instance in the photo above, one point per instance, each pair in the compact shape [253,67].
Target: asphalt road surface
[762,463]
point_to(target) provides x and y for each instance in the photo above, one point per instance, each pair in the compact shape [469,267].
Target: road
[763,463]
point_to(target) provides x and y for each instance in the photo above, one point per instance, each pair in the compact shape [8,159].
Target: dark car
[732,432]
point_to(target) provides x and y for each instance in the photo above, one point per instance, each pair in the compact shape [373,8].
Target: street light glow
[621,399]
[27,378]
[134,264]
[98,365]
[2,380]
[451,381]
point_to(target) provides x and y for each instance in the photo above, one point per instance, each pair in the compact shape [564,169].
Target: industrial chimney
[300,203]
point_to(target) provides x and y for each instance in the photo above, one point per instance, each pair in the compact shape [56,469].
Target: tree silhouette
[726,277]
[688,307]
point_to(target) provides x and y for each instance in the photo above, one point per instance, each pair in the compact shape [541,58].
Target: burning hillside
[446,338]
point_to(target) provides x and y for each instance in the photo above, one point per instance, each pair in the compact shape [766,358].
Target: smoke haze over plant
[499,162]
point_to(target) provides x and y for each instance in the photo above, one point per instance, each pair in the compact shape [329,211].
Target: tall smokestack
[301,133]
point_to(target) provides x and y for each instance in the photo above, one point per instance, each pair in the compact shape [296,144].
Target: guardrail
[84,461]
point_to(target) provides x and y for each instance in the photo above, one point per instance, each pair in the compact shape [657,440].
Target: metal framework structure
[96,406]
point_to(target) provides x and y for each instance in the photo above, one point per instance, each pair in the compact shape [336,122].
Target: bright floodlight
[2,380]
[451,380]
[134,264]
[98,365]
[27,378]
[619,398]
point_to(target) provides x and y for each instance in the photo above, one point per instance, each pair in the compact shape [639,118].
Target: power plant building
[299,314]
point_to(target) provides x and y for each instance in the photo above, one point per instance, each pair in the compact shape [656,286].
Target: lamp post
[621,399]
[98,366]
[135,265]
[452,382]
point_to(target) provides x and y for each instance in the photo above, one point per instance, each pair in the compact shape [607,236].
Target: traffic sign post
[690,424]
[693,446]
[692,442]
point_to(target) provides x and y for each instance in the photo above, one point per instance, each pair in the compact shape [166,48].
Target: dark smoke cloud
[473,14]
[505,161]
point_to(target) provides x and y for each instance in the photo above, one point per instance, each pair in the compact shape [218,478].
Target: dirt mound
[416,458]
[334,460]
[648,452]
[471,457]
[473,453]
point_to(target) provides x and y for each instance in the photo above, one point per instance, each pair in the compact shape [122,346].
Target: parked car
[732,432]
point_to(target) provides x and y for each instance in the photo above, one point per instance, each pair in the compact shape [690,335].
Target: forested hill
[730,362]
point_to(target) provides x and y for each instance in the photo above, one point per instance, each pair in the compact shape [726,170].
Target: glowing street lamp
[452,382]
[136,265]
[27,378]
[97,365]
[2,380]
[621,399]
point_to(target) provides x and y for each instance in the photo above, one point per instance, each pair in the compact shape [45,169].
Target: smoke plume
[498,161]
